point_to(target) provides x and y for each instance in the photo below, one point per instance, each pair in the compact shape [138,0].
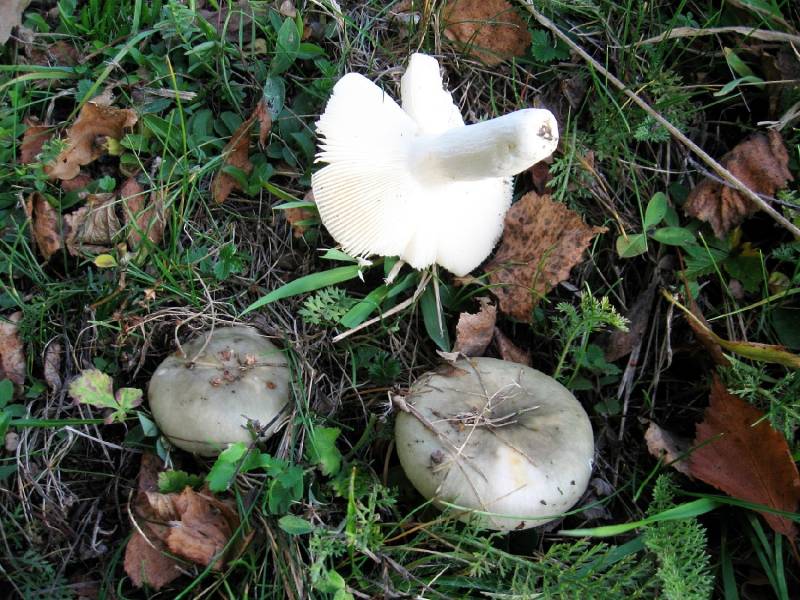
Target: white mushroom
[203,399]
[498,438]
[415,182]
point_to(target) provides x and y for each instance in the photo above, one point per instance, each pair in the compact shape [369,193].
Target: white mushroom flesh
[507,444]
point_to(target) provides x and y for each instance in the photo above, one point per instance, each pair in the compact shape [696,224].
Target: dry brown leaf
[296,216]
[704,335]
[542,241]
[491,30]
[56,54]
[93,227]
[761,163]
[45,227]
[12,356]
[474,331]
[77,183]
[264,122]
[86,139]
[33,139]
[143,216]
[52,366]
[237,154]
[663,444]
[508,350]
[739,452]
[204,527]
[10,17]
[621,343]
[146,561]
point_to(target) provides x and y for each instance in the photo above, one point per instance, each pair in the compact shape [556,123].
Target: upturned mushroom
[203,398]
[508,446]
[416,182]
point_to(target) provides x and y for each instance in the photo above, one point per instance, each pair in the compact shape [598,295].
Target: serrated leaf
[225,467]
[128,398]
[673,236]
[656,210]
[294,525]
[176,481]
[95,388]
[322,451]
[632,245]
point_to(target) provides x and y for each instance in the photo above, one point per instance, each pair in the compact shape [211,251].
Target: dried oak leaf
[33,139]
[761,163]
[146,558]
[740,453]
[508,350]
[474,332]
[93,227]
[665,445]
[86,139]
[144,217]
[491,30]
[12,356]
[45,227]
[542,241]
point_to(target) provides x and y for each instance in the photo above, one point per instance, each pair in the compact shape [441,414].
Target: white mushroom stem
[500,147]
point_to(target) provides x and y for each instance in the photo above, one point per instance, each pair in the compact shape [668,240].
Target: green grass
[355,527]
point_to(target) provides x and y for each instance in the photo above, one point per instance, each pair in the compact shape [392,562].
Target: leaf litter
[761,162]
[490,30]
[542,241]
[12,354]
[474,332]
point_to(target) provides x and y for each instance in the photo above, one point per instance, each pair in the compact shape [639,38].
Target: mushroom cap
[237,376]
[497,437]
[370,197]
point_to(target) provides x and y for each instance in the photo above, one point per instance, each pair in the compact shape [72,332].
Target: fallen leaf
[540,176]
[143,217]
[10,17]
[621,343]
[146,559]
[52,366]
[237,154]
[491,30]
[737,451]
[264,122]
[56,54]
[93,227]
[203,528]
[542,241]
[761,163]
[86,139]
[508,350]
[12,356]
[77,183]
[45,227]
[474,332]
[33,139]
[704,335]
[668,447]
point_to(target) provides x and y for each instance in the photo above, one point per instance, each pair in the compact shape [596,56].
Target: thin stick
[396,309]
[691,32]
[679,135]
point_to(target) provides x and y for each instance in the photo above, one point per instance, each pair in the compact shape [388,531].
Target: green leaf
[287,47]
[128,398]
[95,388]
[177,481]
[359,313]
[7,471]
[430,316]
[736,64]
[656,210]
[633,245]
[105,261]
[309,283]
[673,236]
[543,48]
[295,525]
[6,392]
[148,427]
[224,469]
[274,91]
[322,451]
[747,269]
[732,85]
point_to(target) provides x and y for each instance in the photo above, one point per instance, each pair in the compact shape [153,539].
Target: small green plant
[95,388]
[574,326]
[176,481]
[680,548]
[380,366]
[326,307]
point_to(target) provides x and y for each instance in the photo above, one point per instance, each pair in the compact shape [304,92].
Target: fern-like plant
[680,548]
[326,307]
